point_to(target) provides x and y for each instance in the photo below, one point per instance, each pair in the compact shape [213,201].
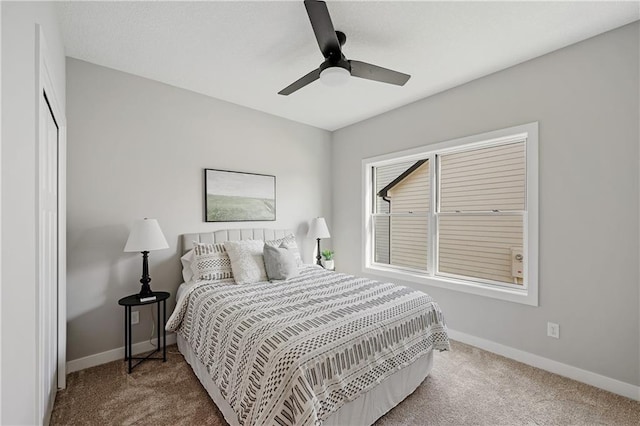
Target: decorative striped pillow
[288,242]
[212,262]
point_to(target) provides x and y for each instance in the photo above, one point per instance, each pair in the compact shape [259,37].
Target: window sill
[523,296]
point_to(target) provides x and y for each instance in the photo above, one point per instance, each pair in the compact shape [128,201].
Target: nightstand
[134,300]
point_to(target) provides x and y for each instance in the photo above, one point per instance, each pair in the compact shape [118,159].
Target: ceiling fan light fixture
[336,68]
[335,76]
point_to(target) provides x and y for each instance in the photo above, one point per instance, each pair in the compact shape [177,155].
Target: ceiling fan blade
[323,27]
[300,83]
[374,72]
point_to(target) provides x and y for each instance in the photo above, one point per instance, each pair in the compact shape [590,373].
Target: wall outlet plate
[553,330]
[135,317]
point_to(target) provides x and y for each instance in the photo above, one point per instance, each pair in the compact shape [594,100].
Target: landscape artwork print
[237,196]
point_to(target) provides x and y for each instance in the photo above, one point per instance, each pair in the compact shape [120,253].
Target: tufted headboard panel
[232,235]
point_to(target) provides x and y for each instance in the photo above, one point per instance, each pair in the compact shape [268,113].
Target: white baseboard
[575,373]
[113,355]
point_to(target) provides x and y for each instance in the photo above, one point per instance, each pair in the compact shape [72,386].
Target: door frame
[44,84]
[0,219]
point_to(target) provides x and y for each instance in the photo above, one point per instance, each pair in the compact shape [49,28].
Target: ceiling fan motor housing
[330,62]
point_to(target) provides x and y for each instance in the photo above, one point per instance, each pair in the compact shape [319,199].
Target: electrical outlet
[553,330]
[135,317]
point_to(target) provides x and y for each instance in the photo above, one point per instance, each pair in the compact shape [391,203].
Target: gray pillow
[280,263]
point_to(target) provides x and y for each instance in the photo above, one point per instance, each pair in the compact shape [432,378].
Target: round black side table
[134,300]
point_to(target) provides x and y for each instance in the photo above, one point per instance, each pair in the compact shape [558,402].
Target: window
[400,221]
[460,214]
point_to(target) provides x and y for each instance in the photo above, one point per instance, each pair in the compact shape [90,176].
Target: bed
[319,348]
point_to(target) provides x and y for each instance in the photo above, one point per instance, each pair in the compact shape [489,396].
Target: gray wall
[19,253]
[585,98]
[137,148]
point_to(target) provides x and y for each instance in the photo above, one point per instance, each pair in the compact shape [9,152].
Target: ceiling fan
[336,69]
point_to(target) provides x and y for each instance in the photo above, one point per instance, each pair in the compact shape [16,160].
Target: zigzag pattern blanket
[293,352]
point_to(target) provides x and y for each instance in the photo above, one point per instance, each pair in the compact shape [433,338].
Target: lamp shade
[146,235]
[318,228]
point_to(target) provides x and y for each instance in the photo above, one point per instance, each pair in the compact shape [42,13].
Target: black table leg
[164,330]
[129,337]
[126,335]
[158,322]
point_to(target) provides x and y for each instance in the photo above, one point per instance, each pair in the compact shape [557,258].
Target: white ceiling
[245,52]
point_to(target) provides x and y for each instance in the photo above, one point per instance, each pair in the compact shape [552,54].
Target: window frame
[527,293]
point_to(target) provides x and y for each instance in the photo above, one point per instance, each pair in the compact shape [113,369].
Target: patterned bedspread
[293,352]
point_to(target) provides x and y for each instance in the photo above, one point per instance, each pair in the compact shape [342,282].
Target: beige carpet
[467,386]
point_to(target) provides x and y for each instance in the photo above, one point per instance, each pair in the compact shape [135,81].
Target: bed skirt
[364,410]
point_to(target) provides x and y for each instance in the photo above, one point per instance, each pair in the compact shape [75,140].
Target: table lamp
[146,236]
[318,230]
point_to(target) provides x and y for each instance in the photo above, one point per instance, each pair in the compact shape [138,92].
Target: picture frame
[231,196]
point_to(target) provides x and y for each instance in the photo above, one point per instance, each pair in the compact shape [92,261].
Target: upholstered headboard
[232,235]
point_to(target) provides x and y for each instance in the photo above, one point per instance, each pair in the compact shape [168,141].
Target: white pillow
[189,267]
[247,262]
[212,262]
[288,242]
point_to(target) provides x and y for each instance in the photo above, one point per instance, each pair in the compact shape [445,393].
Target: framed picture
[237,197]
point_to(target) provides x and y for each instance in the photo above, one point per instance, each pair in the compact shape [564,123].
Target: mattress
[316,349]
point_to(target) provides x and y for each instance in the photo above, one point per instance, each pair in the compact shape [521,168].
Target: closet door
[48,256]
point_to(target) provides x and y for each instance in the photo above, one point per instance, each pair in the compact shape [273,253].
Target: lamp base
[145,290]
[318,257]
